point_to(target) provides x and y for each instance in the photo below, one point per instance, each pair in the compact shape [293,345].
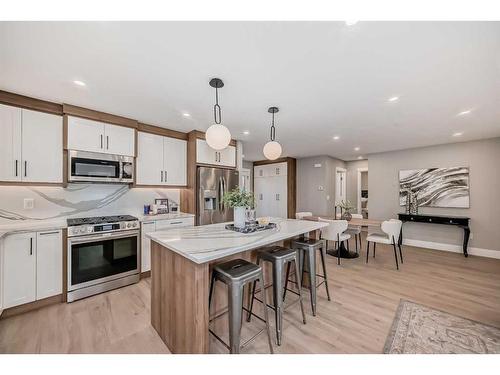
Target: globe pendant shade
[218,136]
[272,150]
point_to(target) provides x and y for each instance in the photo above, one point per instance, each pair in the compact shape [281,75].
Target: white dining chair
[391,230]
[301,215]
[355,230]
[335,232]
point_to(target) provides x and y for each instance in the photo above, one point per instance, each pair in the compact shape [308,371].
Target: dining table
[342,251]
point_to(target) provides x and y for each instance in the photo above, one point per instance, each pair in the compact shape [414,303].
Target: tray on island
[250,228]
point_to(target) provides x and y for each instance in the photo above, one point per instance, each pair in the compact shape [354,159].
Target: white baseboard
[452,248]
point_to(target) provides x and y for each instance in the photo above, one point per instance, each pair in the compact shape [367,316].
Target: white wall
[482,157]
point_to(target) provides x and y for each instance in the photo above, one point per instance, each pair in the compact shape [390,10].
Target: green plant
[239,198]
[346,206]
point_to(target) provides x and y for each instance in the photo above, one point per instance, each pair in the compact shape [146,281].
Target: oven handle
[104,236]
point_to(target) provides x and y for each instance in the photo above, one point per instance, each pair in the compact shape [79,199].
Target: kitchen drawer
[174,223]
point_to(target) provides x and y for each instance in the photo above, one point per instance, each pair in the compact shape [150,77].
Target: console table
[459,221]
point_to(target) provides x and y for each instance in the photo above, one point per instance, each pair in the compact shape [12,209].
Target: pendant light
[272,149]
[217,136]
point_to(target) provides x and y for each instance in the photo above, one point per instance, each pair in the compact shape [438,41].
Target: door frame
[340,169]
[358,189]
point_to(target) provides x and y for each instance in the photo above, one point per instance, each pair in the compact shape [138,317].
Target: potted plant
[347,207]
[239,200]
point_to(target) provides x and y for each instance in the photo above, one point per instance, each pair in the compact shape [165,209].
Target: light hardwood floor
[357,320]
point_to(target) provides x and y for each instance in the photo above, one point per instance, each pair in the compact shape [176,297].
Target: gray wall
[482,157]
[309,179]
[352,179]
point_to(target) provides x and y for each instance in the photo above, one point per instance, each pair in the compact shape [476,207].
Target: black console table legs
[466,240]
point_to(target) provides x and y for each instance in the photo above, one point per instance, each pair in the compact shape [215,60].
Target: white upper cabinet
[207,155]
[48,263]
[270,170]
[10,143]
[19,269]
[30,146]
[119,140]
[95,136]
[85,135]
[161,160]
[175,161]
[41,147]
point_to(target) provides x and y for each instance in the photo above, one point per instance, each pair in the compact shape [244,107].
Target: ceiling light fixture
[272,149]
[246,132]
[217,135]
[351,22]
[458,134]
[79,83]
[186,115]
[393,99]
[356,148]
[360,157]
[464,112]
[336,137]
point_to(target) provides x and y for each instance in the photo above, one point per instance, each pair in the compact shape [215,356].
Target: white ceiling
[327,78]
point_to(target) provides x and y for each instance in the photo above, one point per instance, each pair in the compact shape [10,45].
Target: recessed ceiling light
[464,112]
[351,22]
[360,157]
[79,83]
[393,99]
[457,134]
[186,115]
[336,137]
[246,132]
[243,156]
[356,148]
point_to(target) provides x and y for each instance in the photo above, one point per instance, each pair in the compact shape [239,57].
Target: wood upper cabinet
[95,136]
[42,144]
[207,155]
[19,269]
[30,146]
[10,143]
[161,160]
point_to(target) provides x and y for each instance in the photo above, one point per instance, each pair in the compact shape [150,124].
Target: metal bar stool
[279,257]
[236,274]
[307,250]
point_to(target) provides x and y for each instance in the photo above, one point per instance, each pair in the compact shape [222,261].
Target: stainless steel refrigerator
[211,184]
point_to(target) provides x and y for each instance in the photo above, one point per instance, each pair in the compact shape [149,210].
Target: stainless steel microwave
[86,166]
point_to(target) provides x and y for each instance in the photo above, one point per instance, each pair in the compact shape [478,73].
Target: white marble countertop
[211,242]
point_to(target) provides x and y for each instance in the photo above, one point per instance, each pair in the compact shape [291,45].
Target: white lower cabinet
[32,267]
[153,226]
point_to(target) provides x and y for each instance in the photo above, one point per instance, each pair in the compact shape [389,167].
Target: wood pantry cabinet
[30,146]
[96,136]
[161,160]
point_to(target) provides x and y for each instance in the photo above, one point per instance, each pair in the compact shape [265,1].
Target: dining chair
[301,215]
[390,236]
[335,232]
[355,230]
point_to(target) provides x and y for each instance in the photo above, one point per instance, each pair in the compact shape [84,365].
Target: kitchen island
[181,263]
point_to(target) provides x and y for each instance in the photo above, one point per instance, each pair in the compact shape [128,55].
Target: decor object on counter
[272,149]
[419,329]
[251,228]
[217,136]
[162,204]
[435,187]
[239,201]
[346,207]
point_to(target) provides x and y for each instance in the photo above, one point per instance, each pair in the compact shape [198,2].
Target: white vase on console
[239,217]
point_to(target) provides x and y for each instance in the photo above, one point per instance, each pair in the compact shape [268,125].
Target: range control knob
[129,225]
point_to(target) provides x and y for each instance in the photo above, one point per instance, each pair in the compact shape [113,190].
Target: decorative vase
[346,216]
[239,217]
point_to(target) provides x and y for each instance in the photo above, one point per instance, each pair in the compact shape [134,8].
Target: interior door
[41,147]
[340,186]
[119,140]
[175,161]
[10,143]
[149,161]
[85,135]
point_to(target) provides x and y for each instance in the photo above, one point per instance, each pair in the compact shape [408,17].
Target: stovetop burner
[99,220]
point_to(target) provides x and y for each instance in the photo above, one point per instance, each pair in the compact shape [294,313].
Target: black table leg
[344,253]
[400,241]
[466,240]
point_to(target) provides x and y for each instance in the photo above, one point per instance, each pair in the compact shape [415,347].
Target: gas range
[101,224]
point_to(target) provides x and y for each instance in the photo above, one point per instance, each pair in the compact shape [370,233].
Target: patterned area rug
[419,329]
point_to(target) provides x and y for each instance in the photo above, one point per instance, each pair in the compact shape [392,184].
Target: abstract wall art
[436,187]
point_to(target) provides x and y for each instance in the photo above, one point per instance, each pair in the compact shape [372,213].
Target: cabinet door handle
[101,140]
[176,222]
[25,168]
[16,166]
[107,142]
[260,196]
[44,233]
[166,178]
[161,176]
[31,245]
[277,197]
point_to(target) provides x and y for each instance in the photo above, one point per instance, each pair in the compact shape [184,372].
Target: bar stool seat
[236,274]
[279,257]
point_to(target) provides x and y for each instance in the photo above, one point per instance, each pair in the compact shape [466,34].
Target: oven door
[93,167]
[95,259]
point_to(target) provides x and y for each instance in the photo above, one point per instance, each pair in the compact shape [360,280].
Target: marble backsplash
[77,200]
